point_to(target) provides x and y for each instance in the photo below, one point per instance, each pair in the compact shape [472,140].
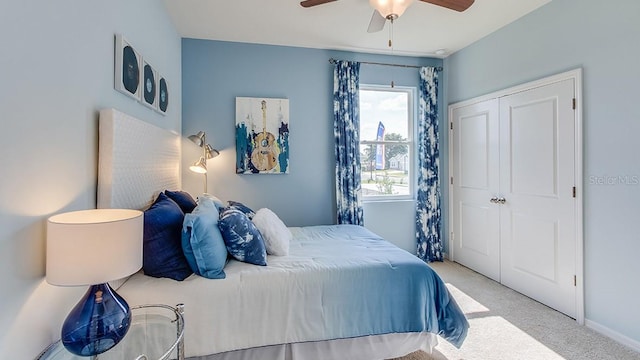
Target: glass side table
[156,333]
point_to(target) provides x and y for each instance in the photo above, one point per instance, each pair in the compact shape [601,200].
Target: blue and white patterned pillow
[242,207]
[243,240]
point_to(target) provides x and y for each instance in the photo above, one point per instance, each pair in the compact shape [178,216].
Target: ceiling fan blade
[376,23]
[457,5]
[310,3]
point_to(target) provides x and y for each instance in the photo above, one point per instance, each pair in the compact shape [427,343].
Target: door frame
[576,76]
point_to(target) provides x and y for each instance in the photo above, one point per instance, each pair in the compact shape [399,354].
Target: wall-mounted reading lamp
[208,152]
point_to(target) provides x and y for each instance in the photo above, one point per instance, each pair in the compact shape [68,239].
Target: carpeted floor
[506,325]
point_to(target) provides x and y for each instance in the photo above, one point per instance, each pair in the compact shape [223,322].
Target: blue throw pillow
[219,204]
[162,246]
[244,241]
[242,207]
[183,199]
[202,241]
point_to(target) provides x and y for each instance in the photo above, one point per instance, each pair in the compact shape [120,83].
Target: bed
[342,292]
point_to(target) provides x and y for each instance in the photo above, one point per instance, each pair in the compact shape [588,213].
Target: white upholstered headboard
[137,160]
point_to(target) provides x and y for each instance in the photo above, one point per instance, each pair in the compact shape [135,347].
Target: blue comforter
[374,287]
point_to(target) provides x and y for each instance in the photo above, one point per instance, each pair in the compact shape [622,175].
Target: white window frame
[411,114]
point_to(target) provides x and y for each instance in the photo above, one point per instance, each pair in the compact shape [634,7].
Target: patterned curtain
[346,79]
[428,204]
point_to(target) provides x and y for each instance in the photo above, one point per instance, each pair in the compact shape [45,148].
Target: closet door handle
[493,200]
[501,200]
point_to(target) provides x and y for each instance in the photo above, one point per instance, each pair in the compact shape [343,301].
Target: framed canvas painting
[262,136]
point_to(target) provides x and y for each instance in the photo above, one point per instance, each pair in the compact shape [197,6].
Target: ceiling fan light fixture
[390,9]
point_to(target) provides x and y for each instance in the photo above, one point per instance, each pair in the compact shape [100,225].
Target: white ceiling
[342,25]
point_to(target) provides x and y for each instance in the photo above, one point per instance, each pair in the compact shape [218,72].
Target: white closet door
[537,220]
[475,151]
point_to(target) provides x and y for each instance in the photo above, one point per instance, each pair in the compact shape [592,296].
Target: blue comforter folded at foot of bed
[370,286]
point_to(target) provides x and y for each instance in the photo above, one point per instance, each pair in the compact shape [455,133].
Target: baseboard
[622,339]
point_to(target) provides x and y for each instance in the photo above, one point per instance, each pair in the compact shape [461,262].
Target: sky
[387,106]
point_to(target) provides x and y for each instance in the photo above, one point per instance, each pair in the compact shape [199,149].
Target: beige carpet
[508,326]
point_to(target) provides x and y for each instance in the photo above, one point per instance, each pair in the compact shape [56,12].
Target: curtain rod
[333,61]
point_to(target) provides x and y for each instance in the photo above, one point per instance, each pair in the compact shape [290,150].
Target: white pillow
[275,233]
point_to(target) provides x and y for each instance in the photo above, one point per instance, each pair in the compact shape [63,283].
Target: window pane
[390,179]
[385,168]
[387,107]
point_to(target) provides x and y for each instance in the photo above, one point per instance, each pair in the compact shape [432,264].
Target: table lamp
[92,247]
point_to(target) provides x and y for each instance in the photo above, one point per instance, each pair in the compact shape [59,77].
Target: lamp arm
[205,183]
[204,154]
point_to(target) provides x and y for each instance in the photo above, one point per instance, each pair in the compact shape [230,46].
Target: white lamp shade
[91,247]
[390,7]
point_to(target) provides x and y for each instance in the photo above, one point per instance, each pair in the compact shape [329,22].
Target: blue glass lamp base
[97,323]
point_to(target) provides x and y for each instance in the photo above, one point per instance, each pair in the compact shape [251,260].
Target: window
[386,142]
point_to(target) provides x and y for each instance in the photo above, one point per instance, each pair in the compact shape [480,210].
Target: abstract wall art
[262,136]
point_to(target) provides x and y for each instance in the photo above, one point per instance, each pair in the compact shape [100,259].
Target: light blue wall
[56,73]
[602,38]
[215,73]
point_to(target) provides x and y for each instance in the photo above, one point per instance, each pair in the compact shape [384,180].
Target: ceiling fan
[392,9]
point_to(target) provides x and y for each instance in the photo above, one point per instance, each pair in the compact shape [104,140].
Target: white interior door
[538,217]
[475,177]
